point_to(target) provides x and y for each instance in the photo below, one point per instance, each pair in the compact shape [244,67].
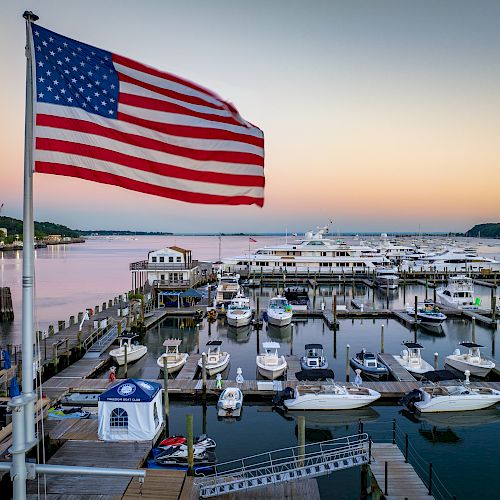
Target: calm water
[463,448]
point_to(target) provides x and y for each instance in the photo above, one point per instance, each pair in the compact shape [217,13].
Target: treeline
[42,229]
[489,230]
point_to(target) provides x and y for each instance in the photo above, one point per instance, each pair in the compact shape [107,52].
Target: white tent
[130,411]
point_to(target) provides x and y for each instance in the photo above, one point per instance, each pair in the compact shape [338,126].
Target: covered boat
[411,359]
[369,365]
[313,358]
[217,360]
[269,363]
[135,351]
[230,402]
[174,359]
[472,360]
[330,397]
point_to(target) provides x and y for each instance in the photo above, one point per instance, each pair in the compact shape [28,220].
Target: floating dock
[397,371]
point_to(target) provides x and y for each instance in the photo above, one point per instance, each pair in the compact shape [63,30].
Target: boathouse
[130,411]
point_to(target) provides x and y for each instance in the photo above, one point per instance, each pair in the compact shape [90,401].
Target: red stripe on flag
[153,167]
[193,132]
[169,107]
[115,180]
[145,142]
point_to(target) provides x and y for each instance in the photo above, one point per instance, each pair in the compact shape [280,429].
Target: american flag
[106,118]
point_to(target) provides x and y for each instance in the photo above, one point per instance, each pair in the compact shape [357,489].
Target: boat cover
[470,345]
[316,374]
[441,375]
[313,346]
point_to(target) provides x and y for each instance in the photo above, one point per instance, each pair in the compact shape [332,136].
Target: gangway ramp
[286,464]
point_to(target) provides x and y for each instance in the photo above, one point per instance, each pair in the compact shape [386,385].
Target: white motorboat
[239,312]
[459,292]
[330,397]
[135,351]
[313,359]
[472,360]
[279,312]
[411,359]
[427,314]
[270,364]
[230,402]
[369,365]
[387,278]
[227,289]
[174,359]
[217,361]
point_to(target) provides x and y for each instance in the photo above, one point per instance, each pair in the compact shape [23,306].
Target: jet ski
[178,455]
[202,441]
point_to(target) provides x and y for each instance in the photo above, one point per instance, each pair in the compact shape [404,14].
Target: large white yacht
[459,292]
[228,288]
[314,253]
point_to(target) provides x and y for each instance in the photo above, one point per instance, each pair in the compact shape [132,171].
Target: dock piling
[166,402]
[382,338]
[436,360]
[301,434]
[189,435]
[473,329]
[430,479]
[386,469]
[416,309]
[347,367]
[126,360]
[493,307]
[204,372]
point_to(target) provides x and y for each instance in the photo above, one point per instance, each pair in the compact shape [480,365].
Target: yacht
[472,360]
[427,313]
[135,351]
[279,312]
[230,402]
[270,364]
[227,289]
[239,312]
[174,359]
[330,397]
[298,298]
[314,253]
[313,359]
[217,361]
[386,277]
[369,365]
[411,359]
[459,292]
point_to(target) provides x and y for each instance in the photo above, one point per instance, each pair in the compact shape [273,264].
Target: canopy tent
[130,411]
[191,293]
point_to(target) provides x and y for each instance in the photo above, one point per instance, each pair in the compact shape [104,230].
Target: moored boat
[174,359]
[269,363]
[230,402]
[427,314]
[369,365]
[472,360]
[279,312]
[459,292]
[135,351]
[239,312]
[313,359]
[411,359]
[217,361]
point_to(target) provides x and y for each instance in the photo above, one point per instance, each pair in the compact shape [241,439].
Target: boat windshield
[278,304]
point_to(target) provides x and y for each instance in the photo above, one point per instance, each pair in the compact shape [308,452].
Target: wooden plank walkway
[405,318]
[397,371]
[293,367]
[71,429]
[402,480]
[160,483]
[93,453]
[298,490]
[188,371]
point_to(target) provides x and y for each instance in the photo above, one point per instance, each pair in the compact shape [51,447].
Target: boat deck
[402,480]
[397,371]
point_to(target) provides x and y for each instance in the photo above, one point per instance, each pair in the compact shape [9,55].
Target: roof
[412,345]
[470,344]
[179,249]
[270,345]
[191,293]
[132,391]
[214,342]
[313,346]
[172,342]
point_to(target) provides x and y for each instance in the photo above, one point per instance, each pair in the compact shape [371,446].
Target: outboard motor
[410,399]
[286,393]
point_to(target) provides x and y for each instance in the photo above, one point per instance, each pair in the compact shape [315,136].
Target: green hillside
[489,230]
[42,229]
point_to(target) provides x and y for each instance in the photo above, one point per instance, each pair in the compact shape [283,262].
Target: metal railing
[285,464]
[144,265]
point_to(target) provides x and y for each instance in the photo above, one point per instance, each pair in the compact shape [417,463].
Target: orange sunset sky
[381,115]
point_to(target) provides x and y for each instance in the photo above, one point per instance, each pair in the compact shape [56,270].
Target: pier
[396,370]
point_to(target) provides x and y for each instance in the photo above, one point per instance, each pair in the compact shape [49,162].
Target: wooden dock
[161,483]
[293,366]
[93,453]
[189,370]
[396,370]
[402,480]
[405,318]
[298,489]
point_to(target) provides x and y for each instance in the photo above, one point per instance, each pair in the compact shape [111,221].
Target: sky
[380,115]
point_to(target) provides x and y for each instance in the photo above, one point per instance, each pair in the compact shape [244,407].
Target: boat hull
[378,372]
[461,366]
[132,355]
[329,402]
[415,370]
[271,373]
[213,369]
[173,367]
[239,320]
[457,403]
[280,320]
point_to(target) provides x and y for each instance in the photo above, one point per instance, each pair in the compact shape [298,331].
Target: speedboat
[314,358]
[411,359]
[298,298]
[460,397]
[217,361]
[230,402]
[369,365]
[386,277]
[135,351]
[174,359]
[227,289]
[472,360]
[459,292]
[269,364]
[427,313]
[279,312]
[330,397]
[239,312]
